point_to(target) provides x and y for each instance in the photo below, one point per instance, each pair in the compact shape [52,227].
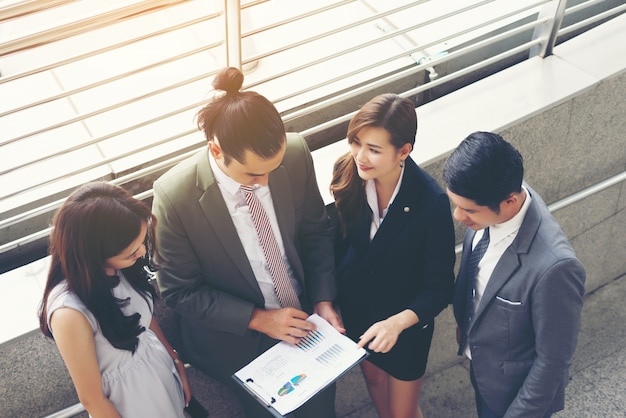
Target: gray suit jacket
[206,277]
[526,327]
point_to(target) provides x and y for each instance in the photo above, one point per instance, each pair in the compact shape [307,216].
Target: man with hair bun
[233,303]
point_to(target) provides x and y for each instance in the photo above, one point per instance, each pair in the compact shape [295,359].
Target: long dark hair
[388,111]
[96,222]
[241,120]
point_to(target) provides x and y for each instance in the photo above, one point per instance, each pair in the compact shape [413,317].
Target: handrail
[420,67]
[288,116]
[576,197]
[68,412]
[111,47]
[596,18]
[337,30]
[67,93]
[291,114]
[598,187]
[118,181]
[80,26]
[398,55]
[397,76]
[19,9]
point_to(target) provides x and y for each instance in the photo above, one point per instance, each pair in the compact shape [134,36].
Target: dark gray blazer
[206,277]
[526,327]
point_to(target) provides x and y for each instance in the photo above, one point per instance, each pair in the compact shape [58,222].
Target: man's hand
[286,324]
[326,311]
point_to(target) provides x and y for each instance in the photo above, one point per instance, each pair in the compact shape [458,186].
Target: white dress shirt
[500,238]
[237,207]
[372,201]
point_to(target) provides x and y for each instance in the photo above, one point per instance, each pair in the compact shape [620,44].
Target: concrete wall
[568,146]
[566,149]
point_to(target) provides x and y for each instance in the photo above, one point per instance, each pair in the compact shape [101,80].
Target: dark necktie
[275,262]
[470,272]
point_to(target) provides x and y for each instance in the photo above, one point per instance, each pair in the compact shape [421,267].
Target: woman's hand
[383,335]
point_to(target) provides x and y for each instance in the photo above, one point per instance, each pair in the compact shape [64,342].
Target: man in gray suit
[518,312]
[215,271]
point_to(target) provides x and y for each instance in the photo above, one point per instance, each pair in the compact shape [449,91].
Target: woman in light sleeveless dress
[98,305]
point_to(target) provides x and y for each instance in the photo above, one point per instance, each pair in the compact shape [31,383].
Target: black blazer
[410,261]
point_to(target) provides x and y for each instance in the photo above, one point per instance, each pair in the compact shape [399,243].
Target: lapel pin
[407,209]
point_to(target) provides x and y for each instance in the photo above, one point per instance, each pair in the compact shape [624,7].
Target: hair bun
[229,80]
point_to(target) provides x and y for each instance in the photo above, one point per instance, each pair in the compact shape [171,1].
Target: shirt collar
[372,197]
[499,231]
[223,180]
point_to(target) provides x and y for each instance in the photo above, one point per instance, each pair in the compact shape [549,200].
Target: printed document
[287,375]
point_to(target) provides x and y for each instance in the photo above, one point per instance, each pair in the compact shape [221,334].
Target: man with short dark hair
[518,307]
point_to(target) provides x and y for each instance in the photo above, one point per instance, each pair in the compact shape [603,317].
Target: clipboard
[286,376]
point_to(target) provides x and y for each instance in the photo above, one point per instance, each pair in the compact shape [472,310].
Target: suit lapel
[509,263]
[401,211]
[359,234]
[283,202]
[216,213]
[460,286]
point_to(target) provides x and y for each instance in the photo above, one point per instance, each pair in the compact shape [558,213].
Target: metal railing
[537,40]
[536,25]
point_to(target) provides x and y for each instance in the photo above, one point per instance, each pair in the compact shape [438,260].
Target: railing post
[232,9]
[554,11]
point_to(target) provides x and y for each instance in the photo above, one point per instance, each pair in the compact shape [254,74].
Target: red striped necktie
[275,262]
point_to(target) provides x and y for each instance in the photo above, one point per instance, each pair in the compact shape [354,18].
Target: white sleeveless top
[143,384]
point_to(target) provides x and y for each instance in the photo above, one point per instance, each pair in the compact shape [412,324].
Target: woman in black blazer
[394,250]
